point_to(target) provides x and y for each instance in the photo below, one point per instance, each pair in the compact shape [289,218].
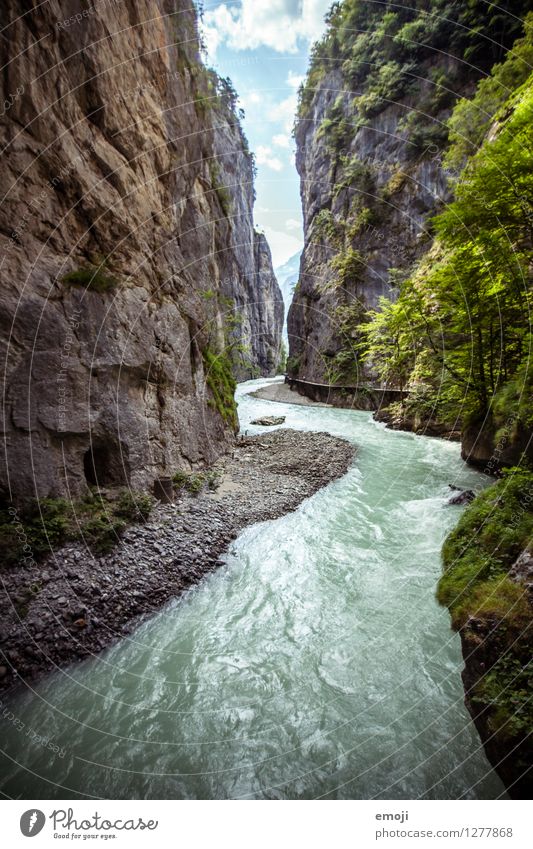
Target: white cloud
[217,23]
[282,245]
[282,140]
[293,224]
[295,80]
[265,156]
[284,112]
[278,24]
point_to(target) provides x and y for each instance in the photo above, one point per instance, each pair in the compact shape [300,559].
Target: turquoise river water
[315,663]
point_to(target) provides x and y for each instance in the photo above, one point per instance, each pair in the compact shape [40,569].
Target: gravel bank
[74,604]
[281,392]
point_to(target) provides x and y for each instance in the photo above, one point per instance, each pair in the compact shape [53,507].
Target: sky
[263,46]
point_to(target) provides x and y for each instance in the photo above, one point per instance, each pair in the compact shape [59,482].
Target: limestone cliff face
[390,242]
[250,296]
[370,138]
[129,260]
[379,186]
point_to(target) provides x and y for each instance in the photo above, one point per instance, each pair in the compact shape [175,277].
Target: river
[315,663]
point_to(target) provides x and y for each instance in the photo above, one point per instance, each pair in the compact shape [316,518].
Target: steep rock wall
[392,235]
[370,136]
[126,238]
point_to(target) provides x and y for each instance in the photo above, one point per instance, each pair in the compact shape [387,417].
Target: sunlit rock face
[128,249]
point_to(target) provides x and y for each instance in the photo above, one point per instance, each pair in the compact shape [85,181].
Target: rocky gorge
[136,293]
[381,142]
[134,287]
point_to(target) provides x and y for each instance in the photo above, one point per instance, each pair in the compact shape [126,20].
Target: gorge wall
[370,137]
[134,288]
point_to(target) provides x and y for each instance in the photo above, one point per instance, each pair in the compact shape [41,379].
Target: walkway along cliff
[134,288]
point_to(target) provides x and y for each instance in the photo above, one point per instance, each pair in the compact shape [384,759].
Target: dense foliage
[461,323]
[395,38]
[492,533]
[420,56]
[219,379]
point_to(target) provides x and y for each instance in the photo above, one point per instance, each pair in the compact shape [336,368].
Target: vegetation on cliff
[488,569]
[455,329]
[378,149]
[219,378]
[381,45]
[461,322]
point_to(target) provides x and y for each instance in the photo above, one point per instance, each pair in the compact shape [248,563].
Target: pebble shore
[73,604]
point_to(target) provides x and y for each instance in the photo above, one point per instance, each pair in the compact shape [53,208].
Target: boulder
[269,421]
[522,569]
[465,496]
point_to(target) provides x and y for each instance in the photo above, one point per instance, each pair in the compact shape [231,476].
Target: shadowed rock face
[122,153]
[370,159]
[400,187]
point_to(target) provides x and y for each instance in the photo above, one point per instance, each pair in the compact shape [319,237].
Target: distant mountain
[287,275]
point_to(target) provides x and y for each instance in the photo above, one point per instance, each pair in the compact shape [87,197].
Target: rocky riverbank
[285,395]
[395,419]
[74,604]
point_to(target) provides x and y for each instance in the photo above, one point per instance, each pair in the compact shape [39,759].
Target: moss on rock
[493,612]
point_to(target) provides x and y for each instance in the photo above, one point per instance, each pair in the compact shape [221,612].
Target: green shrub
[221,383]
[293,366]
[336,129]
[355,175]
[41,526]
[490,535]
[507,688]
[194,482]
[33,530]
[472,118]
[326,227]
[93,277]
[282,365]
[384,87]
[492,532]
[133,506]
[349,266]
